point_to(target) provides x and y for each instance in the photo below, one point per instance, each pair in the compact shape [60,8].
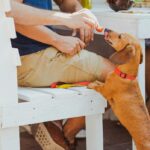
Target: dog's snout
[107,30]
[106,33]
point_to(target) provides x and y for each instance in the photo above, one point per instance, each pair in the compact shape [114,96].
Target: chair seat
[45,104]
[31,94]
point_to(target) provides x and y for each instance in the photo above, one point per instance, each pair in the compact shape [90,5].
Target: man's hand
[85,22]
[81,19]
[68,44]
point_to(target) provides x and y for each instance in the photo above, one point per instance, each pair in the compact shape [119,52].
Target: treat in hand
[100,29]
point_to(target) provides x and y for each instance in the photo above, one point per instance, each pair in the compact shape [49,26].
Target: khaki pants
[47,66]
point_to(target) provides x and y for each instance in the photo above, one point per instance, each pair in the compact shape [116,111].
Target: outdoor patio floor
[115,137]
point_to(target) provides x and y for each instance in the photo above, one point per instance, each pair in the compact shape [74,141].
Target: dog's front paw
[95,84]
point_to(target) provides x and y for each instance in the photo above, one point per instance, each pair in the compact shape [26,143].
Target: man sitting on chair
[48,57]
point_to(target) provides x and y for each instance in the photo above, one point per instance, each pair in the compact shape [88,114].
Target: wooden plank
[8,78]
[32,93]
[16,57]
[94,132]
[9,139]
[4,5]
[10,27]
[61,107]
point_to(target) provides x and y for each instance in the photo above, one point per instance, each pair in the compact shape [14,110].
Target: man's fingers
[89,15]
[82,44]
[92,34]
[89,22]
[89,35]
[74,33]
[82,34]
[73,51]
[86,35]
[78,48]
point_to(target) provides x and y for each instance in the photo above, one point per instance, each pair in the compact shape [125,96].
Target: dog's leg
[100,87]
[72,127]
[133,114]
[97,85]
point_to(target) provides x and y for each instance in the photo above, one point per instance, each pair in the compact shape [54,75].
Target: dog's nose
[106,33]
[107,30]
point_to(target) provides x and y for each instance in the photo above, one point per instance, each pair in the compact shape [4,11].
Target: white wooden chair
[37,105]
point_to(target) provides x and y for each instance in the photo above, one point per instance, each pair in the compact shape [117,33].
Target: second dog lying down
[121,88]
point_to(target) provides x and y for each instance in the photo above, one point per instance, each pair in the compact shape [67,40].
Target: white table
[137,24]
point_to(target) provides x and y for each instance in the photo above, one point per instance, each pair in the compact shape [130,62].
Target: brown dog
[121,88]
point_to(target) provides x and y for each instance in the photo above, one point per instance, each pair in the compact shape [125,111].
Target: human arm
[69,45]
[82,20]
[44,35]
[66,44]
[28,15]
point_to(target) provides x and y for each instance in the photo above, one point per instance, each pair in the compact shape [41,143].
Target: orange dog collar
[124,75]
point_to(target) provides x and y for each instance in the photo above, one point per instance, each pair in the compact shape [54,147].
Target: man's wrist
[55,39]
[59,18]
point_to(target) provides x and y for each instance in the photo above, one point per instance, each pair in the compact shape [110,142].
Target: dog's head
[126,46]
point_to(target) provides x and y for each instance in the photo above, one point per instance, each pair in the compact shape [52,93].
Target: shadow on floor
[115,138]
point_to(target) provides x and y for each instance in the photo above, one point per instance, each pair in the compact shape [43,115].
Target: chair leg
[133,146]
[94,132]
[9,139]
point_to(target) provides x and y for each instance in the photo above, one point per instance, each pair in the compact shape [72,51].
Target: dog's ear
[123,56]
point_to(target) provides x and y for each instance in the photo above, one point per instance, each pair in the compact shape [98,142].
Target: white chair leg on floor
[9,139]
[94,132]
[133,146]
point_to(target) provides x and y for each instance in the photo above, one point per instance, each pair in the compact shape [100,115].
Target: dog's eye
[119,36]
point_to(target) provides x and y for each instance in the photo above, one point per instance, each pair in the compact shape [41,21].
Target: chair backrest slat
[8,76]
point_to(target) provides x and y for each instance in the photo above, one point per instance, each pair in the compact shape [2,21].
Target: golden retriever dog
[121,88]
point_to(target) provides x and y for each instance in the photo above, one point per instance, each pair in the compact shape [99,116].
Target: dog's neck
[131,67]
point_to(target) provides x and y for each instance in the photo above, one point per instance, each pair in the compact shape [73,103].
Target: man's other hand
[68,44]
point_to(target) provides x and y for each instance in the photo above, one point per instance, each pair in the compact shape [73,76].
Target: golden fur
[124,95]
